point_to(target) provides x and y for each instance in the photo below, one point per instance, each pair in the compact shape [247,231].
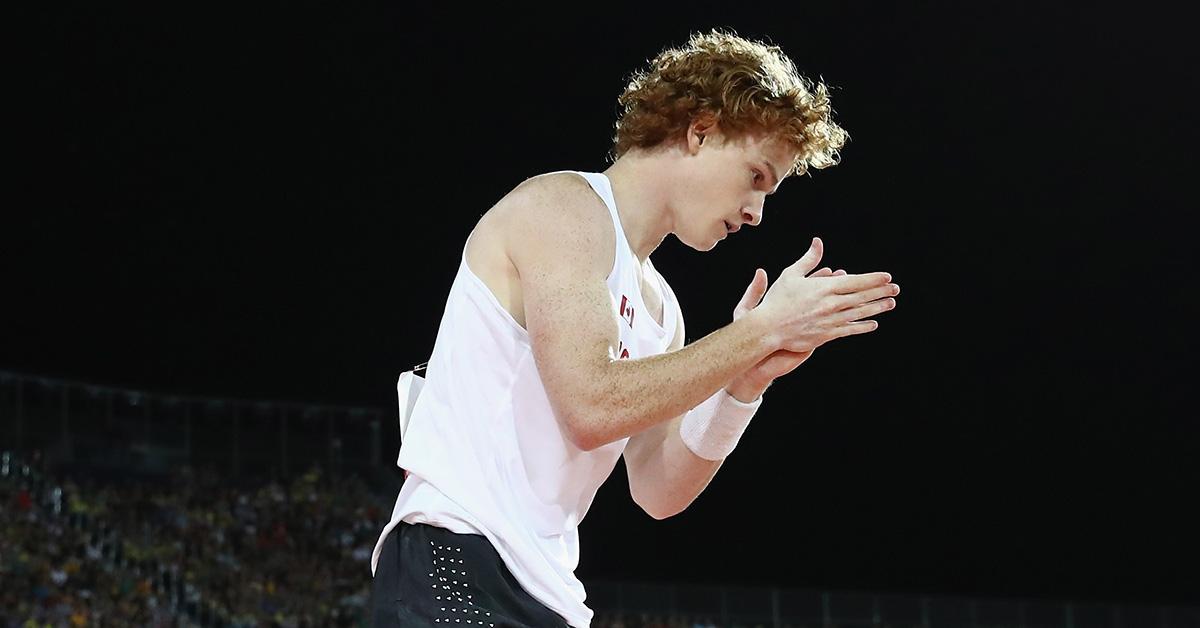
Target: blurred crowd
[188,551]
[194,550]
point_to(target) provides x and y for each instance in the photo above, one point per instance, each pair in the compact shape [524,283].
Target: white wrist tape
[712,429]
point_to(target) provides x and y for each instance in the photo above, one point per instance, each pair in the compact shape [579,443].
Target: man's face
[726,183]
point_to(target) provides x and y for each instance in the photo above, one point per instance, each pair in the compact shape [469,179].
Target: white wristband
[712,429]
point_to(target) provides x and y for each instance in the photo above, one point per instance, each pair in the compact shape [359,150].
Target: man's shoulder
[567,190]
[557,211]
[548,203]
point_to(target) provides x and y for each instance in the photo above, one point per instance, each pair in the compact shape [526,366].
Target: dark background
[270,203]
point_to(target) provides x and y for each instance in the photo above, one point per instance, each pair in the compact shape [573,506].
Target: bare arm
[563,247]
[665,477]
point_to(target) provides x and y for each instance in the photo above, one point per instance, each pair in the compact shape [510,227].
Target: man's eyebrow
[774,177]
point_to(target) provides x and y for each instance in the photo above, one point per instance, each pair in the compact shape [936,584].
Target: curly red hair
[749,88]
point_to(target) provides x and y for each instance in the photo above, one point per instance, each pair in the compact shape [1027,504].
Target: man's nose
[752,215]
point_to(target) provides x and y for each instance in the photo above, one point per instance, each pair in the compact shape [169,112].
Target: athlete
[561,348]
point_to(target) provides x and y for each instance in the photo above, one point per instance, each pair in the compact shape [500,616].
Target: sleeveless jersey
[484,451]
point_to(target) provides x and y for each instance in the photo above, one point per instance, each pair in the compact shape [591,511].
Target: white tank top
[483,448]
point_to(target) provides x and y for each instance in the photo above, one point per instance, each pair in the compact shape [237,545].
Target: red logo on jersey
[622,352]
[626,310]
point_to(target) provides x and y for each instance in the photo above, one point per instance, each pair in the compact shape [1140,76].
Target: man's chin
[703,247]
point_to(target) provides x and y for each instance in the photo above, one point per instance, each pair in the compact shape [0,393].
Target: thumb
[754,292]
[811,258]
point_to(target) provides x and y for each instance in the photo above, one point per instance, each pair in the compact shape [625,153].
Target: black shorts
[429,576]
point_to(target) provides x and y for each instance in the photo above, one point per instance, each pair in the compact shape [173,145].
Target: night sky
[271,203]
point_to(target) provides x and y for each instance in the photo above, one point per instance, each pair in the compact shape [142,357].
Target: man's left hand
[750,385]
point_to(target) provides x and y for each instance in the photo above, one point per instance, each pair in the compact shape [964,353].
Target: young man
[561,347]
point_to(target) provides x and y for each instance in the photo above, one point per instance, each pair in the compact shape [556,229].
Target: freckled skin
[545,251]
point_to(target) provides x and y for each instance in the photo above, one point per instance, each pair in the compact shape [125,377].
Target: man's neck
[642,201]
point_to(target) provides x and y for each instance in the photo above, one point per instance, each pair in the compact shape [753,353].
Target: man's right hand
[804,312]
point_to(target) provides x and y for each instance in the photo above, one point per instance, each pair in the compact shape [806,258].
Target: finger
[758,286]
[755,291]
[824,272]
[852,329]
[839,272]
[810,259]
[868,310]
[866,296]
[849,284]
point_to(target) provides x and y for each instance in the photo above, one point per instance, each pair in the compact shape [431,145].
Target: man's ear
[701,128]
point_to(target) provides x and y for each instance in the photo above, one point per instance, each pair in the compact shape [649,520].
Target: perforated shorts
[430,576]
